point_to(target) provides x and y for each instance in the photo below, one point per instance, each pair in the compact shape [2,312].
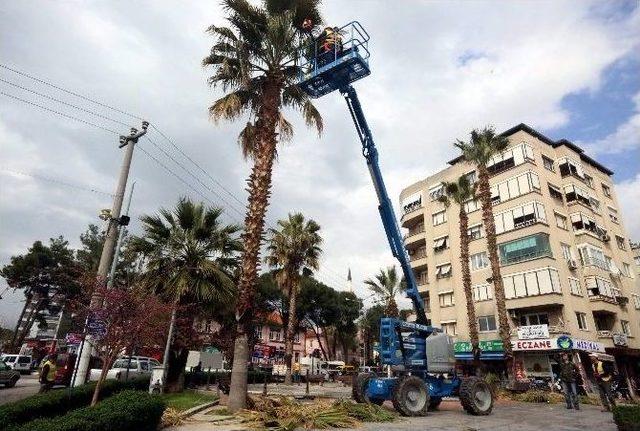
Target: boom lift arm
[385,207]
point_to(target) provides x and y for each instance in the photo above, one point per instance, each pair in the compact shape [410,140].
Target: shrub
[627,418]
[59,402]
[126,411]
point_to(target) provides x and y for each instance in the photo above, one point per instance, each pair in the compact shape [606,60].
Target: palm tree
[190,256]
[254,62]
[460,193]
[293,251]
[485,144]
[386,286]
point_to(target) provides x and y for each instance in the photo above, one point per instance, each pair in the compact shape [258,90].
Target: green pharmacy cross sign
[485,346]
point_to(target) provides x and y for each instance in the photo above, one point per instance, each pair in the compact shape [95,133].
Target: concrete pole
[82,364]
[114,261]
[167,347]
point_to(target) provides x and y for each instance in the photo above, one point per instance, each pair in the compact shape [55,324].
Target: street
[26,386]
[506,416]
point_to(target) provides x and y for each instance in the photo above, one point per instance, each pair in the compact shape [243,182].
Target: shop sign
[73,338]
[532,332]
[588,346]
[485,346]
[619,339]
[547,344]
[564,342]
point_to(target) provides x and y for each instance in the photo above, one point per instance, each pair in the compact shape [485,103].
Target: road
[26,386]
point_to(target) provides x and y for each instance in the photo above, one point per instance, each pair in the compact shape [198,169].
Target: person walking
[568,376]
[48,374]
[604,374]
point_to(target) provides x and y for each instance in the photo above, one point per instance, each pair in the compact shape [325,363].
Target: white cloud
[629,197]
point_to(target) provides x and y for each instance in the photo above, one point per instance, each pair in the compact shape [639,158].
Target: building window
[296,337]
[471,206]
[574,193]
[446,299]
[626,328]
[532,283]
[475,232]
[569,167]
[636,301]
[487,324]
[597,286]
[626,270]
[471,177]
[443,271]
[482,292]
[548,163]
[588,180]
[411,203]
[274,334]
[566,251]
[582,321]
[441,243]
[514,187]
[519,217]
[582,222]
[595,205]
[555,192]
[606,190]
[258,332]
[593,256]
[561,221]
[436,191]
[439,218]
[479,261]
[613,215]
[512,157]
[620,242]
[574,286]
[417,253]
[423,278]
[448,328]
[522,249]
[534,319]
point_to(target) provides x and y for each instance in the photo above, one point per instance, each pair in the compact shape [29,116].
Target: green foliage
[187,399]
[125,411]
[386,286]
[626,417]
[59,402]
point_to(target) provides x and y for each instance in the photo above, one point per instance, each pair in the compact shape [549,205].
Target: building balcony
[416,240]
[595,262]
[413,218]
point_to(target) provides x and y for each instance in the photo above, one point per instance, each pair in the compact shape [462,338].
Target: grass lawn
[187,399]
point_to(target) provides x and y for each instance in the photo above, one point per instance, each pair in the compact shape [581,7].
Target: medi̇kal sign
[562,342]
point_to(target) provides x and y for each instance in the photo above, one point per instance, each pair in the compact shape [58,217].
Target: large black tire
[411,396]
[11,383]
[476,396]
[359,389]
[434,403]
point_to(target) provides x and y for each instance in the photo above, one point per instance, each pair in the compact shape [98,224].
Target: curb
[197,409]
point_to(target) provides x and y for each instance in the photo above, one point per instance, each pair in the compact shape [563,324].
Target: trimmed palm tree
[190,257]
[460,193]
[482,146]
[293,251]
[386,286]
[254,63]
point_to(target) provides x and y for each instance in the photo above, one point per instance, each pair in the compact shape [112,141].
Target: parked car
[138,366]
[8,376]
[20,363]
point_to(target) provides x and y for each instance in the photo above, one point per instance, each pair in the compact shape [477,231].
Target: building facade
[565,258]
[270,340]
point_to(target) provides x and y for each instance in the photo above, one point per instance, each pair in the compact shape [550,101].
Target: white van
[21,363]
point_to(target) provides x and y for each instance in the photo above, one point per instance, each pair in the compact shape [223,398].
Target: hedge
[200,379]
[125,411]
[627,418]
[59,402]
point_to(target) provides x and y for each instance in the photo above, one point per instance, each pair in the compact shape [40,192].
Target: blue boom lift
[420,355]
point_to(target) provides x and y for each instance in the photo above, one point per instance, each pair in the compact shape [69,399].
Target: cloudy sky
[439,69]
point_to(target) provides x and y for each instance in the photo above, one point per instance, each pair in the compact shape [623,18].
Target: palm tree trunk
[291,327]
[167,347]
[466,283]
[392,308]
[498,285]
[324,352]
[258,185]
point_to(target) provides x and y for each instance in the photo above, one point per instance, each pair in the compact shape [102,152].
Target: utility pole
[116,254]
[114,223]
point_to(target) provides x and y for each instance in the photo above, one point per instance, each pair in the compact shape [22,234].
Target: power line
[88,99]
[71,117]
[64,103]
[56,181]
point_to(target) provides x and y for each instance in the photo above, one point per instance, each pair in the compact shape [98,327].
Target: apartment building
[565,257]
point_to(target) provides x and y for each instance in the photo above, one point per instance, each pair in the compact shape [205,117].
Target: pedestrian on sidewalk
[48,374]
[603,373]
[568,376]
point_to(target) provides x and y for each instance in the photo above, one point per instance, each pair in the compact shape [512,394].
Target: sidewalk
[327,390]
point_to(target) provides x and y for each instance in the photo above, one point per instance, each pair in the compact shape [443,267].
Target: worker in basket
[327,46]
